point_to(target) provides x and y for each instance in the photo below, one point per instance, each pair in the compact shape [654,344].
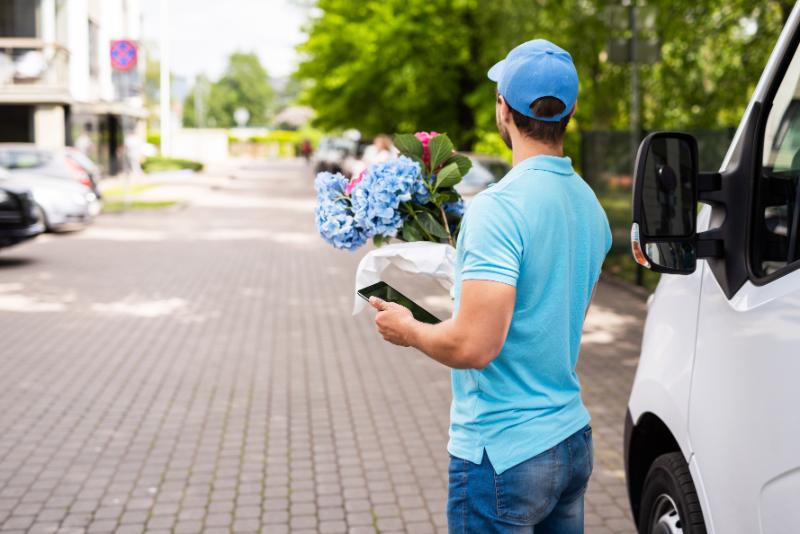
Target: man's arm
[470,341]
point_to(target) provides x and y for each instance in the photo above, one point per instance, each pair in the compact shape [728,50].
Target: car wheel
[42,216]
[669,502]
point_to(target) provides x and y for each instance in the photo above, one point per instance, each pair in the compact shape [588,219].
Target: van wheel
[669,501]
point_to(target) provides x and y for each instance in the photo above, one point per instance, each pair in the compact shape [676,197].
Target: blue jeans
[543,495]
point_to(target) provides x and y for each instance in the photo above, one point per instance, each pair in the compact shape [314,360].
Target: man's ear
[503,109]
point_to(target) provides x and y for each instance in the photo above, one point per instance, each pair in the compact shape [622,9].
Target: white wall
[78,44]
[49,125]
[202,144]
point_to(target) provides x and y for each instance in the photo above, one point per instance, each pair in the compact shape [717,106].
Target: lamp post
[634,52]
[164,91]
[636,125]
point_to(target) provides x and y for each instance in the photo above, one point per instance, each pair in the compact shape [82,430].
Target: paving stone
[205,366]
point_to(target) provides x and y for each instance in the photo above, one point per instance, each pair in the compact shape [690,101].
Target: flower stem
[446,226]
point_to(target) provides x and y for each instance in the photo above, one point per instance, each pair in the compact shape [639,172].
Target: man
[528,258]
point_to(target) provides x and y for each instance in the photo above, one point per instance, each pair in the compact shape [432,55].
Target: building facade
[57,83]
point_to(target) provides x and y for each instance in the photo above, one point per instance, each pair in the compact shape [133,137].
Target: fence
[607,163]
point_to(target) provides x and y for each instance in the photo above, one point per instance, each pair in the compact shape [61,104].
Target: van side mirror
[663,235]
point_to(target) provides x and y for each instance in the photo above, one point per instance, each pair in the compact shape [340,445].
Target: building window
[19,18]
[94,58]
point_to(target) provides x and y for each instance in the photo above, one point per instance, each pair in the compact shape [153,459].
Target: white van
[712,437]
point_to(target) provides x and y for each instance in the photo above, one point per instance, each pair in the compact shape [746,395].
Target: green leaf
[418,160]
[463,162]
[431,225]
[380,240]
[411,231]
[448,176]
[445,195]
[409,145]
[441,148]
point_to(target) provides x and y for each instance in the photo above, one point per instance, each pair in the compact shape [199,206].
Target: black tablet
[384,291]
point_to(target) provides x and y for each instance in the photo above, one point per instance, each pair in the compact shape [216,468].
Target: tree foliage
[245,84]
[407,65]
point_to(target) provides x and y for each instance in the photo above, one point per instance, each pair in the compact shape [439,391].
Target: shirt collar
[556,164]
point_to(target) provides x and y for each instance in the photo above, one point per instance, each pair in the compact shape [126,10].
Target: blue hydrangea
[455,208]
[421,192]
[377,199]
[334,214]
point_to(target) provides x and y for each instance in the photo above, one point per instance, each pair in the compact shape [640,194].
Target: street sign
[124,54]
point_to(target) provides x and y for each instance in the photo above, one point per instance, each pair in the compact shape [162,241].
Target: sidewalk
[198,370]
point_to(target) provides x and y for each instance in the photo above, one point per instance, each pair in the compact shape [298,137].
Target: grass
[619,261]
[160,164]
[118,205]
[133,189]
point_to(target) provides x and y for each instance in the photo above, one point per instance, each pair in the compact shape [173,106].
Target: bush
[160,163]
[154,138]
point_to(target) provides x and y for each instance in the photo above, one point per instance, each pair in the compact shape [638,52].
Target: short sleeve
[493,242]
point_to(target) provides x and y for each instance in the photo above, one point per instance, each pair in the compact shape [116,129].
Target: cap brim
[496,72]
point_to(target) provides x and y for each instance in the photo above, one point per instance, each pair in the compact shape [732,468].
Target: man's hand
[470,341]
[394,321]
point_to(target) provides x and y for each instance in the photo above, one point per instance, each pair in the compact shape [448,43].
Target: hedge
[160,163]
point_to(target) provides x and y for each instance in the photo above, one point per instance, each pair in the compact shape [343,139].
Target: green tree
[244,84]
[384,66]
[405,65]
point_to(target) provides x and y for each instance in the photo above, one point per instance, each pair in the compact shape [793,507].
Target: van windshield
[776,226]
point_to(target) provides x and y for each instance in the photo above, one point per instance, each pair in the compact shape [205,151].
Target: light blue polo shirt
[542,230]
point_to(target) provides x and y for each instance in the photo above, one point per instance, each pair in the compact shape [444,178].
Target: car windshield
[81,159]
[12,158]
[497,168]
[478,175]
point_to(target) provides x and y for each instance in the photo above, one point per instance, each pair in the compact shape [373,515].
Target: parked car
[712,434]
[338,154]
[18,216]
[66,163]
[486,170]
[61,205]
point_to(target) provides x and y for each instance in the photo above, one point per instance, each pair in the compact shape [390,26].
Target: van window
[776,228]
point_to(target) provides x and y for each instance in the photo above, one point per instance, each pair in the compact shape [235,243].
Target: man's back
[542,230]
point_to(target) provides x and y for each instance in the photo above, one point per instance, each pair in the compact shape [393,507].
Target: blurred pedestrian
[528,258]
[84,141]
[306,149]
[379,151]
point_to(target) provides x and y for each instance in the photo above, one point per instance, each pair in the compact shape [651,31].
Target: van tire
[669,483]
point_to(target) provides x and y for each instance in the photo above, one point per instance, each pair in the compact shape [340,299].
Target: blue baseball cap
[534,70]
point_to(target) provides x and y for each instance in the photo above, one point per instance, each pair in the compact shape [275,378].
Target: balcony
[33,71]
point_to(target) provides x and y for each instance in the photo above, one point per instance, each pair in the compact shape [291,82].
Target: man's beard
[503,133]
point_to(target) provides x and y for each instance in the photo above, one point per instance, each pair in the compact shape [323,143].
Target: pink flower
[425,138]
[354,182]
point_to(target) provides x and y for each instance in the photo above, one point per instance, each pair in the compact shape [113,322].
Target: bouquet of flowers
[410,197]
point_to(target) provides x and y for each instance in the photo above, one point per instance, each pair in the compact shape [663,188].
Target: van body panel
[743,424]
[663,376]
[779,503]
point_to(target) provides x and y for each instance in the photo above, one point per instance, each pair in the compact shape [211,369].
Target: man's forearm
[444,343]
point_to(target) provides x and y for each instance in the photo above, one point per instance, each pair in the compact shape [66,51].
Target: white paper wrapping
[421,257]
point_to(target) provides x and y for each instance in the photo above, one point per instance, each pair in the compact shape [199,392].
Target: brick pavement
[198,370]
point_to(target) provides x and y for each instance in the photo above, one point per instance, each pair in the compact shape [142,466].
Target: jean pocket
[527,492]
[587,438]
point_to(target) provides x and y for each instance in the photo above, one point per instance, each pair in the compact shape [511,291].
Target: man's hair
[551,133]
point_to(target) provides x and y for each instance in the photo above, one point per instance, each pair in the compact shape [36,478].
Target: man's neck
[528,148]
